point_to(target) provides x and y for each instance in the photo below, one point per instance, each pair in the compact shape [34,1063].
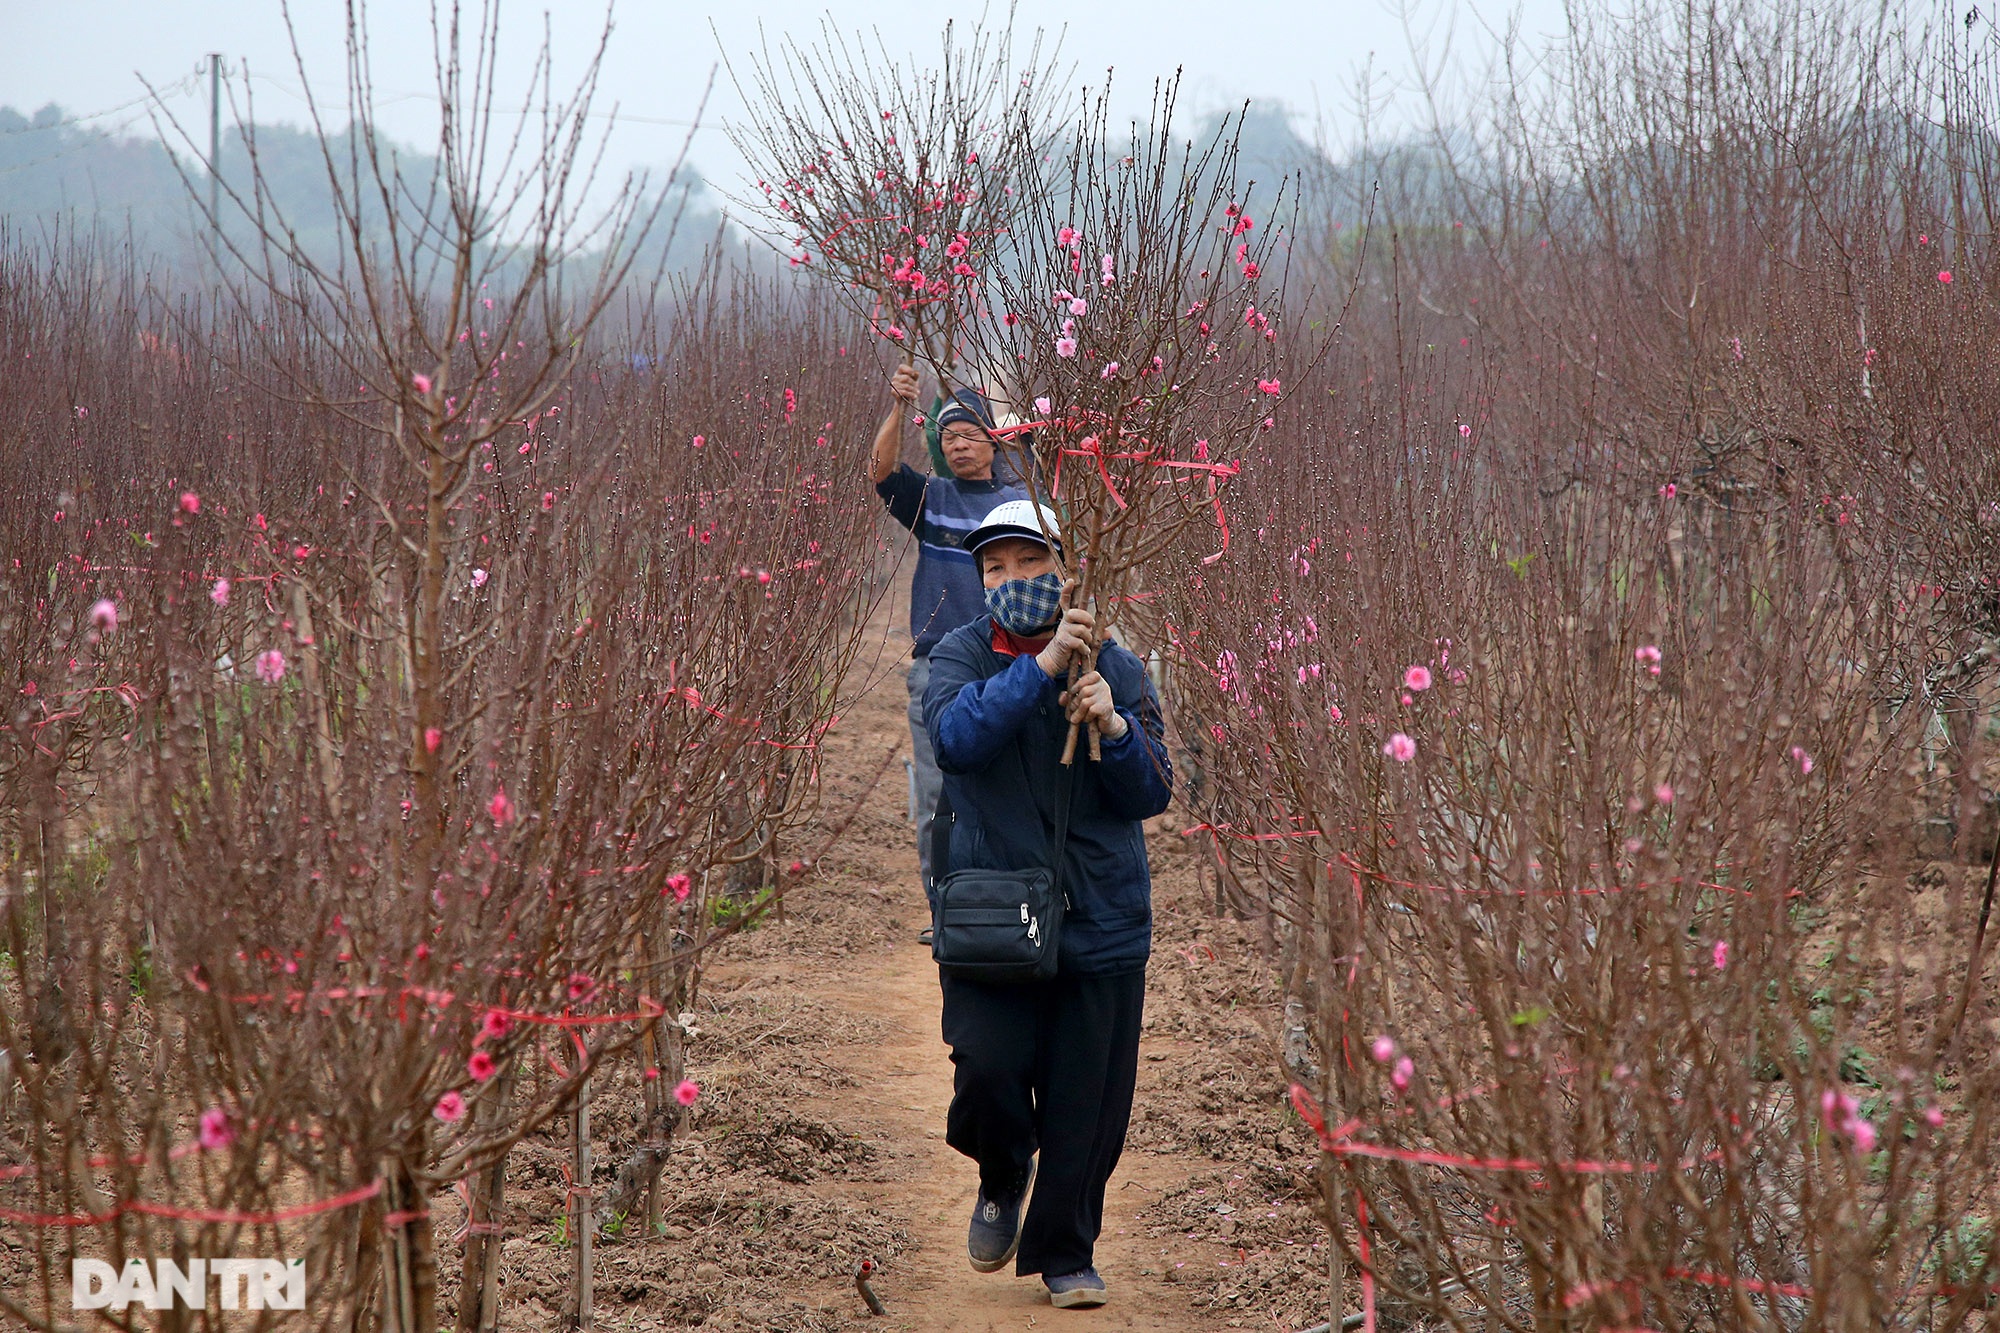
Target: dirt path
[906,1086]
[892,1083]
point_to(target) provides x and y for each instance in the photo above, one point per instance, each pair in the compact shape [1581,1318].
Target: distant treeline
[61,175]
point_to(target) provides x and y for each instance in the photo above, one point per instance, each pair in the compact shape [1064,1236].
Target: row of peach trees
[402,661]
[1609,660]
[322,889]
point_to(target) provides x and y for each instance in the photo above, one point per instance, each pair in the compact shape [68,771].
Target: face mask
[1026,606]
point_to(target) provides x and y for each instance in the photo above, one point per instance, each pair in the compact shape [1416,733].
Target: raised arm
[889,439]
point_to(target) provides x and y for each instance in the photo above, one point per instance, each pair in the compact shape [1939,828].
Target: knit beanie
[964,405]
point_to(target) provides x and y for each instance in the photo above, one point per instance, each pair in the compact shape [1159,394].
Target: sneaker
[1076,1291]
[995,1233]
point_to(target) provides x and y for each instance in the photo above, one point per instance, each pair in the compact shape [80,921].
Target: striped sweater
[941,512]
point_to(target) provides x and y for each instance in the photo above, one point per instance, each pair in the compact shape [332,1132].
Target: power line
[651,120]
[146,101]
[183,86]
[299,95]
[392,97]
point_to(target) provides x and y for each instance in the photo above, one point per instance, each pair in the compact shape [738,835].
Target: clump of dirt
[734,1023]
[792,1150]
[739,1246]
[745,1259]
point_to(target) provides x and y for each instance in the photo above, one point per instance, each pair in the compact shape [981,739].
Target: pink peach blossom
[686,1091]
[1841,1115]
[450,1108]
[216,1132]
[1400,748]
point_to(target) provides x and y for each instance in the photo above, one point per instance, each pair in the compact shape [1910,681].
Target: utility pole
[215,144]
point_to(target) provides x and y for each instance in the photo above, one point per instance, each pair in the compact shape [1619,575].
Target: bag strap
[1064,800]
[941,829]
[940,836]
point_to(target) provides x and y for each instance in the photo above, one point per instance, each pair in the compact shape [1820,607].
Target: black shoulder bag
[999,925]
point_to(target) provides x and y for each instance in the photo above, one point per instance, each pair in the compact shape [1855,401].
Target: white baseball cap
[1016,518]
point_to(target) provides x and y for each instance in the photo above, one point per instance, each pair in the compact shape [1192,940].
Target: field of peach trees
[1568,543]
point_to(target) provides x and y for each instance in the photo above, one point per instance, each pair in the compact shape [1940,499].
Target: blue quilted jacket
[998,733]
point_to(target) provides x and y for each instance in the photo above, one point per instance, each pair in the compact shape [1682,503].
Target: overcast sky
[89,55]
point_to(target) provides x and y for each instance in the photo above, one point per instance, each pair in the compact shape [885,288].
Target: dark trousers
[1047,1066]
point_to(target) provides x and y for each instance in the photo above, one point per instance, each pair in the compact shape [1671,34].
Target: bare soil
[819,1137]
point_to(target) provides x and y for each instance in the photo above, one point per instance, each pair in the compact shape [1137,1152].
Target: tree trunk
[580,1210]
[479,1271]
[409,1254]
[639,1173]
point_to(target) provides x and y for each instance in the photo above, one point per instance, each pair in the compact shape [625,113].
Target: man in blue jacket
[939,510]
[1046,1067]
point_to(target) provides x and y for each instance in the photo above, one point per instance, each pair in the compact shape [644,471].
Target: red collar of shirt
[1009,644]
